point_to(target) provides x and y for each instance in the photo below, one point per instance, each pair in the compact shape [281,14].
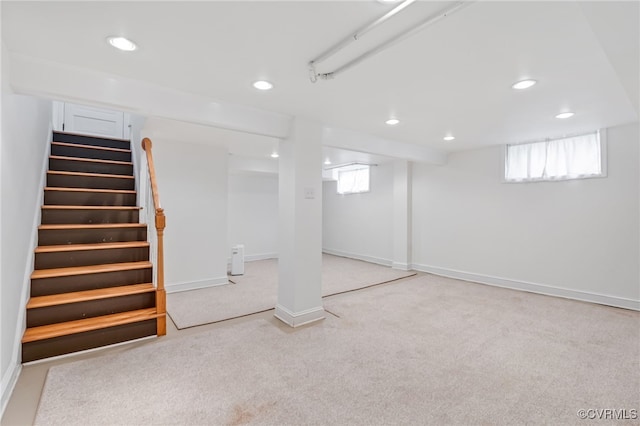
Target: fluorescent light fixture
[524,84]
[327,162]
[392,121]
[263,85]
[122,43]
[274,155]
[449,138]
[563,115]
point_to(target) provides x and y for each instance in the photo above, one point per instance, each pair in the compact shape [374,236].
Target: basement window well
[352,179]
[575,157]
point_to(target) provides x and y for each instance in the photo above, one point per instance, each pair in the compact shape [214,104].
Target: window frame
[351,168]
[603,160]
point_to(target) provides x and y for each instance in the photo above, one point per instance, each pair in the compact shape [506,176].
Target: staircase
[92,283]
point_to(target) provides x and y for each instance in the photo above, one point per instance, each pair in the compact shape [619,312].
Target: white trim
[194,285]
[263,256]
[549,290]
[9,380]
[126,126]
[365,258]
[401,266]
[254,257]
[58,115]
[299,318]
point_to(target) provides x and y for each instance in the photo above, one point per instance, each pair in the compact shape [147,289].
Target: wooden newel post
[161,296]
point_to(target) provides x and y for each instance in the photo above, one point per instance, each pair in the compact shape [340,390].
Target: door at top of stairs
[87,120]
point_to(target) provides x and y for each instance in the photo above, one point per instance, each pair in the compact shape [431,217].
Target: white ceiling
[454,77]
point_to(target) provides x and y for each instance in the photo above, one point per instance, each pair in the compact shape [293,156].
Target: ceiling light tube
[396,39]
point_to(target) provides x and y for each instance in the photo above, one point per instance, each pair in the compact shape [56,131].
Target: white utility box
[237,260]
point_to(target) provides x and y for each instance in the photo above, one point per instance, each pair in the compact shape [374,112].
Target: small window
[352,179]
[567,158]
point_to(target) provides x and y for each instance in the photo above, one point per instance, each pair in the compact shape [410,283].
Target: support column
[300,225]
[402,215]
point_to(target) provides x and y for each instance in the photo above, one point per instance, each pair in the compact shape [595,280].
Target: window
[568,158]
[352,179]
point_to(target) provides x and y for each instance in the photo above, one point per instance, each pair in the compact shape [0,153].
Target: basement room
[355,212]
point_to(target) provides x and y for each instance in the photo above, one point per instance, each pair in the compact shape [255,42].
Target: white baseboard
[194,285]
[9,380]
[299,318]
[401,266]
[254,257]
[263,256]
[601,299]
[370,259]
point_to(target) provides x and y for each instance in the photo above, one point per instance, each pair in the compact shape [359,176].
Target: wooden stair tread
[93,226]
[60,132]
[106,191]
[101,148]
[79,326]
[86,295]
[91,269]
[91,160]
[95,246]
[83,174]
[55,207]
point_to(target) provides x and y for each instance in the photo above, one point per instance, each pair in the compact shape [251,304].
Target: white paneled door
[94,121]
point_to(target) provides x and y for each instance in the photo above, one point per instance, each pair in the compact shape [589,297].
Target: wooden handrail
[160,222]
[147,145]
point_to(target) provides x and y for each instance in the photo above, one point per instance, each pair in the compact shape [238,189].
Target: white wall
[253,214]
[137,124]
[26,131]
[360,225]
[575,238]
[192,181]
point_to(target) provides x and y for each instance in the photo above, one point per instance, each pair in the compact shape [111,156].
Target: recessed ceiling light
[565,115]
[263,85]
[524,84]
[327,162]
[392,121]
[449,138]
[274,155]
[122,43]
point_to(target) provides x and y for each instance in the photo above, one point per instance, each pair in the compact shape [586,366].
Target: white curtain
[566,158]
[351,181]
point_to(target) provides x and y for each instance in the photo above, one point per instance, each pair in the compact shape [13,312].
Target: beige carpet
[426,350]
[257,290]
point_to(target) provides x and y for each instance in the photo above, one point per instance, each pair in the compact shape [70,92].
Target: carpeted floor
[425,350]
[257,290]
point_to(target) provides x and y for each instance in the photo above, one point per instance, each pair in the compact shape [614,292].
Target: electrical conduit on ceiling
[314,75]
